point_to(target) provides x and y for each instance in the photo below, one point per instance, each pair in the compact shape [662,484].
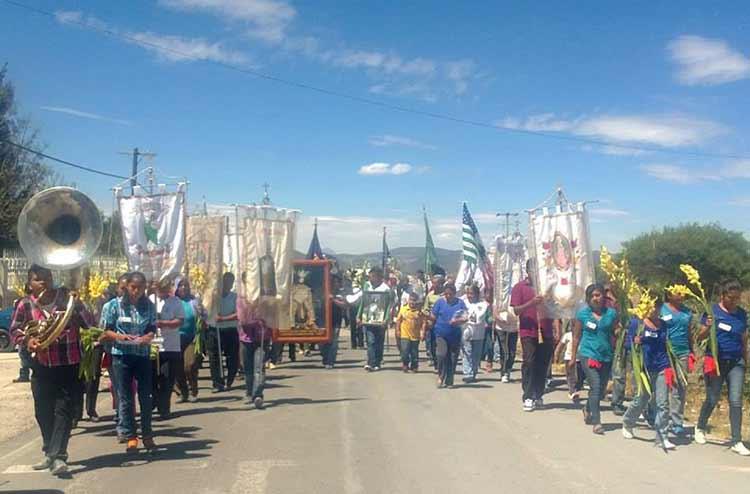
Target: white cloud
[740,201]
[659,130]
[705,61]
[267,20]
[83,114]
[387,140]
[682,175]
[609,212]
[385,169]
[461,72]
[166,47]
[179,49]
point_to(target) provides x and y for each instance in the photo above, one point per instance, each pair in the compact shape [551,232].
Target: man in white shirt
[223,338]
[170,315]
[375,332]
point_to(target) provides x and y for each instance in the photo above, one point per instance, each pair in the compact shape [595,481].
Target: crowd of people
[154,338]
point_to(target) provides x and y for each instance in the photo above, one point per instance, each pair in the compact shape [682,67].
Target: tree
[714,251]
[22,174]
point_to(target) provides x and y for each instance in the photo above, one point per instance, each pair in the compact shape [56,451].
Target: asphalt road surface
[347,431]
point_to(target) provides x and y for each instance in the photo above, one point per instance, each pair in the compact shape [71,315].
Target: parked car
[5,318]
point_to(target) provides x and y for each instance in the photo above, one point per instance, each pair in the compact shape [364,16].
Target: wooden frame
[310,304]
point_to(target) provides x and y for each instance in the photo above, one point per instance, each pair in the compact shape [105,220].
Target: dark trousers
[429,343]
[375,345]
[56,390]
[26,362]
[230,344]
[91,388]
[536,357]
[164,379]
[508,342]
[446,355]
[357,335]
[733,373]
[597,379]
[410,353]
[127,368]
[186,368]
[253,364]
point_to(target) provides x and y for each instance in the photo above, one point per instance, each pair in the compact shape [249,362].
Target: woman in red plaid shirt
[55,385]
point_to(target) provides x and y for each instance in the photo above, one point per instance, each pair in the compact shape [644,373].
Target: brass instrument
[59,228]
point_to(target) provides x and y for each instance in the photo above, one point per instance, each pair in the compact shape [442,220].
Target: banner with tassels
[205,258]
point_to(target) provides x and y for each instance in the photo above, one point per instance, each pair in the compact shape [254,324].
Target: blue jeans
[26,362]
[597,379]
[472,352]
[375,342]
[620,374]
[410,353]
[255,373]
[641,402]
[733,373]
[329,350]
[127,368]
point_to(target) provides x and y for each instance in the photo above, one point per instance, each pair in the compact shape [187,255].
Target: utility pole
[507,216]
[136,160]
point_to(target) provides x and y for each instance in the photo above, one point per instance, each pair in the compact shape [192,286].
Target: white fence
[14,266]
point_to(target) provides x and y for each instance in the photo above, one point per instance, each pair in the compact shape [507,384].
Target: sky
[641,106]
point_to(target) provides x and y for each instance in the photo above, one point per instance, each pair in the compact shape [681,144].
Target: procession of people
[154,339]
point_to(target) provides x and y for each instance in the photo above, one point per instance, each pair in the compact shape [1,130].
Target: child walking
[410,329]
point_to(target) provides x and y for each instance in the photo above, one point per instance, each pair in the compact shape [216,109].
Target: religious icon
[267,267]
[303,314]
[309,304]
[375,308]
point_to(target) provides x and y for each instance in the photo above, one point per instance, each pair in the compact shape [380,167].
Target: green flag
[430,256]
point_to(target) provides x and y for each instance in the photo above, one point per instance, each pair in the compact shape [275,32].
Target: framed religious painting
[375,308]
[310,304]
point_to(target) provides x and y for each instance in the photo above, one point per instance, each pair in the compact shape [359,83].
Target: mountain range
[408,259]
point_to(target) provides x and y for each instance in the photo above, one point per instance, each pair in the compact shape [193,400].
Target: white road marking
[252,476]
[352,482]
[22,469]
[33,442]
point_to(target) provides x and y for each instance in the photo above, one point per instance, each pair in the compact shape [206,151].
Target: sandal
[598,429]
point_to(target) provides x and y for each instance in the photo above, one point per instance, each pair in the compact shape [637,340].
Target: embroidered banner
[153,231]
[511,254]
[266,246]
[560,243]
[205,258]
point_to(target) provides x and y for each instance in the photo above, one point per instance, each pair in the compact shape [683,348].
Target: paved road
[345,431]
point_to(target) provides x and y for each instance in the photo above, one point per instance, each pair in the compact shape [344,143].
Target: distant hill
[409,259]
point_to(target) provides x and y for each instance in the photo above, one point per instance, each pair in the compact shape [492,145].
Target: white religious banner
[205,253]
[511,254]
[265,248]
[559,238]
[153,231]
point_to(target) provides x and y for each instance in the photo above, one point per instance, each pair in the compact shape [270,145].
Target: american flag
[475,265]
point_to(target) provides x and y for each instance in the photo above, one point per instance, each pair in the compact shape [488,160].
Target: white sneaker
[667,444]
[699,436]
[505,378]
[627,432]
[528,405]
[740,449]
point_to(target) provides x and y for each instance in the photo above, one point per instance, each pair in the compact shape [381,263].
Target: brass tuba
[59,228]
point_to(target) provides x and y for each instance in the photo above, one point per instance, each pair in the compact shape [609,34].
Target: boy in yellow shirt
[410,329]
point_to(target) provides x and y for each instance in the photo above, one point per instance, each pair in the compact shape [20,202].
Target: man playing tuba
[52,336]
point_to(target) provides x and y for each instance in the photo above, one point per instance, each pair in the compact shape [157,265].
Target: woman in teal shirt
[678,320]
[593,336]
[187,368]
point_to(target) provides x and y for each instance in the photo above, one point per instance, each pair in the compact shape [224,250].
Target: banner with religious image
[511,254]
[560,243]
[264,278]
[205,258]
[153,231]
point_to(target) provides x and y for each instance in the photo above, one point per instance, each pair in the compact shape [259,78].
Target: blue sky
[670,77]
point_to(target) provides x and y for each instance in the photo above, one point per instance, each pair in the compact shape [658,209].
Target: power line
[62,161]
[373,102]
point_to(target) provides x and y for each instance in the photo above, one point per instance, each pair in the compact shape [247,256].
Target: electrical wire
[62,161]
[373,102]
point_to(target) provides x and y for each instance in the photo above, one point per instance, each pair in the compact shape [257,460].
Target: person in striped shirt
[55,385]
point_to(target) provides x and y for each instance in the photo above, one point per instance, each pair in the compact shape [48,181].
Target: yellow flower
[646,305]
[198,279]
[694,278]
[607,263]
[683,290]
